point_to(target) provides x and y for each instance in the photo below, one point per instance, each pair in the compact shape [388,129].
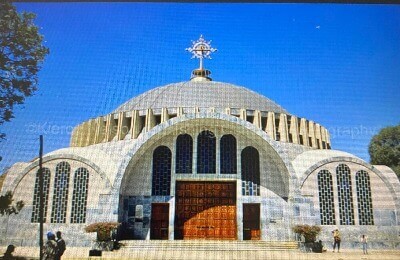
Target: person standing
[50,248]
[364,242]
[336,240]
[60,245]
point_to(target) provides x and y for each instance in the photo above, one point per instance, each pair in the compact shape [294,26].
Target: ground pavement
[83,253]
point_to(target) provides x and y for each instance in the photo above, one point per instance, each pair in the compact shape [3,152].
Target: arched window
[326,200]
[365,214]
[79,197]
[161,184]
[36,203]
[184,154]
[250,171]
[228,155]
[60,194]
[206,152]
[345,195]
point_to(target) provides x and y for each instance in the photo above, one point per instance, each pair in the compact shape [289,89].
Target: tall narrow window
[365,214]
[79,197]
[36,203]
[184,154]
[228,154]
[161,184]
[60,195]
[250,171]
[206,152]
[326,201]
[345,195]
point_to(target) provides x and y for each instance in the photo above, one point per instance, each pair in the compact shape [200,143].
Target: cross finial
[201,49]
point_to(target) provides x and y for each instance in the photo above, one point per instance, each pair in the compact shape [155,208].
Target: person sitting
[8,253]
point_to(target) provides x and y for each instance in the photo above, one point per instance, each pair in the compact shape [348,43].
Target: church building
[208,160]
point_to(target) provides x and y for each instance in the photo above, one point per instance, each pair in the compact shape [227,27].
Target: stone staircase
[201,249]
[212,245]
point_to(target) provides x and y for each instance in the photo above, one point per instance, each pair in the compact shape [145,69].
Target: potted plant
[310,233]
[103,230]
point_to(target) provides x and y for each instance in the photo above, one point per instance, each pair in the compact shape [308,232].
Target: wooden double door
[205,210]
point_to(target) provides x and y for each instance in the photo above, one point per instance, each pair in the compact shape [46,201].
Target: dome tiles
[202,94]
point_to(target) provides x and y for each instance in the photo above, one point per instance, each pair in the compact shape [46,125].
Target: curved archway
[281,165]
[66,157]
[273,176]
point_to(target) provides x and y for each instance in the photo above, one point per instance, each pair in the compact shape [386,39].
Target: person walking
[50,248]
[364,242]
[60,245]
[336,240]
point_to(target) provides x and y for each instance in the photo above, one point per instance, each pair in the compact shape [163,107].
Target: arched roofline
[50,158]
[347,159]
[142,140]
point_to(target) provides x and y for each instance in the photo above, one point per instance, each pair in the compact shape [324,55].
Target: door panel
[159,221]
[208,213]
[251,221]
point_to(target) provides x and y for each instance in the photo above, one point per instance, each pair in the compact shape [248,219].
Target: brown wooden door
[251,221]
[205,210]
[159,221]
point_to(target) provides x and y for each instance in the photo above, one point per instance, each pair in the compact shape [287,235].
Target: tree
[21,54]
[384,148]
[6,206]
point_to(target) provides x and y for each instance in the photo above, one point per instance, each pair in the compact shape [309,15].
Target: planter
[103,245]
[103,235]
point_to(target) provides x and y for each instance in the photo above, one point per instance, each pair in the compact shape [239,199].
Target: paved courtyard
[83,253]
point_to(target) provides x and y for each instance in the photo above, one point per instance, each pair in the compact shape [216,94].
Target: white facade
[118,153]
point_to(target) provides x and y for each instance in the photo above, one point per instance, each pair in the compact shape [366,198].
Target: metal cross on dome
[201,49]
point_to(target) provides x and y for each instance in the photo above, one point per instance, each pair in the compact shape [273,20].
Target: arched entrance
[202,201]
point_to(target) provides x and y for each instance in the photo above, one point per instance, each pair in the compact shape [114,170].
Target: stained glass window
[345,195]
[36,203]
[184,154]
[206,152]
[250,159]
[228,155]
[326,199]
[365,213]
[161,183]
[60,194]
[79,197]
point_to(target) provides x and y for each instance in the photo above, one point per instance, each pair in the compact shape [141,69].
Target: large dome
[202,94]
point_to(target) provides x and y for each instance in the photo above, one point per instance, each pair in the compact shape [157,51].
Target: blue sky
[335,64]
